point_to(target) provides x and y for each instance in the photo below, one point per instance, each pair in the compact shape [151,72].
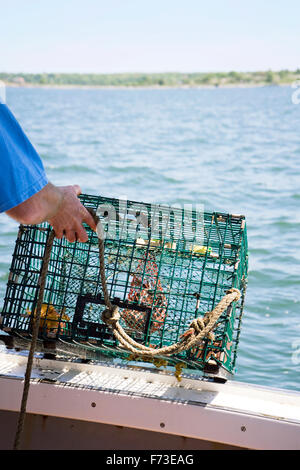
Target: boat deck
[77,405]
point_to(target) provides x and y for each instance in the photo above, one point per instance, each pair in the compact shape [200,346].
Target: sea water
[235,150]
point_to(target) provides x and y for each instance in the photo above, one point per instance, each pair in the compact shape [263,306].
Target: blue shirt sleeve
[22,172]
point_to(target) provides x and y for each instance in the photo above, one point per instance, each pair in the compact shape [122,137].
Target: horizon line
[153,73]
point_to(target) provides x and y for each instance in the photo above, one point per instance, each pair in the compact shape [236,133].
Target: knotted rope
[199,327]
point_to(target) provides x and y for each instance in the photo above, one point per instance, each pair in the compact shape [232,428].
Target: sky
[119,36]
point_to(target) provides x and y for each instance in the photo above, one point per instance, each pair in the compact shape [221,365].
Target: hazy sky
[148,35]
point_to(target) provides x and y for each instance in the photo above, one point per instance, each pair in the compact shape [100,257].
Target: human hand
[60,207]
[68,216]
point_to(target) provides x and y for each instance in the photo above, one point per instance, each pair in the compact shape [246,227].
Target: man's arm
[60,207]
[26,194]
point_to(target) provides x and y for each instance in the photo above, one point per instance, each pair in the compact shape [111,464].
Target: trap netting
[164,267]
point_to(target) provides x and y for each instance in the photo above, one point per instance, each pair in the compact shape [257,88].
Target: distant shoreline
[169,80]
[146,87]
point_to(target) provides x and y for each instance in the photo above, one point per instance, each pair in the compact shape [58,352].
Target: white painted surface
[232,413]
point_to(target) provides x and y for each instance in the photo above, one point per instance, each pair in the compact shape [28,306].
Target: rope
[199,328]
[36,324]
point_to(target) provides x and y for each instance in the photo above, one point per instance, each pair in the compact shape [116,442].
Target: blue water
[233,150]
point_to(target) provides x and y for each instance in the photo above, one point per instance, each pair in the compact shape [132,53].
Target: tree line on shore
[268,77]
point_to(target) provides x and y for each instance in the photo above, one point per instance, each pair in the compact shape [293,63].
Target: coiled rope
[198,329]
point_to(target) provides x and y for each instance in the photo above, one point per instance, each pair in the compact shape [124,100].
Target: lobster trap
[164,267]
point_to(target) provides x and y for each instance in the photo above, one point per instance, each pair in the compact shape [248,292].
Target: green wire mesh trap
[164,267]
